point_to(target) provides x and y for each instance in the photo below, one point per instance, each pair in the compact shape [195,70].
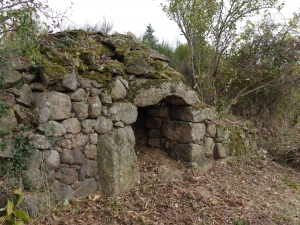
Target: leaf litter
[242,192]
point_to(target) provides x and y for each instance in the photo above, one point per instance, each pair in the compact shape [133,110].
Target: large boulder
[148,92]
[123,111]
[52,105]
[118,168]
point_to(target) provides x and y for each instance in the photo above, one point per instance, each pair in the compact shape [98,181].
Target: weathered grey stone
[90,151]
[90,168]
[62,191]
[155,142]
[70,82]
[211,130]
[64,143]
[26,96]
[88,126]
[184,132]
[95,91]
[94,108]
[23,114]
[117,161]
[19,64]
[103,125]
[52,159]
[11,78]
[89,58]
[222,134]
[36,204]
[209,147]
[33,179]
[72,125]
[137,63]
[58,103]
[67,175]
[81,175]
[189,153]
[35,160]
[81,139]
[155,133]
[192,113]
[9,99]
[79,95]
[7,150]
[52,128]
[38,141]
[119,124]
[8,122]
[72,157]
[104,111]
[157,56]
[220,151]
[117,68]
[38,86]
[88,84]
[94,138]
[123,111]
[50,72]
[85,188]
[14,91]
[166,172]
[159,111]
[154,122]
[42,115]
[81,110]
[29,77]
[122,43]
[105,98]
[176,93]
[118,90]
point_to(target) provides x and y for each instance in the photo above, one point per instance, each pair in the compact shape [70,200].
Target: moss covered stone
[121,42]
[50,72]
[101,78]
[137,62]
[116,67]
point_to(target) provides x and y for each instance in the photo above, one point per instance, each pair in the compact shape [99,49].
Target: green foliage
[15,216]
[20,26]
[149,38]
[210,28]
[21,152]
[2,80]
[2,108]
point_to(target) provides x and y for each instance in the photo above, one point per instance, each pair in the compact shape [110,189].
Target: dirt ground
[240,192]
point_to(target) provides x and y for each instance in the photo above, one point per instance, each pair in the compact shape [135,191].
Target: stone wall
[87,105]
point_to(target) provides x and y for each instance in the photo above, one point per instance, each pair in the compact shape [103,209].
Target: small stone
[67,175]
[105,98]
[88,126]
[103,125]
[94,108]
[38,141]
[119,124]
[94,138]
[72,125]
[81,110]
[52,128]
[90,151]
[155,142]
[79,95]
[69,81]
[52,159]
[154,122]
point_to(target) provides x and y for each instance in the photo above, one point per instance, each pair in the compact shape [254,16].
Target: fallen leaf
[96,197]
[132,214]
[176,192]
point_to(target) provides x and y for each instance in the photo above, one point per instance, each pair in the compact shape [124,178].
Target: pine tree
[148,38]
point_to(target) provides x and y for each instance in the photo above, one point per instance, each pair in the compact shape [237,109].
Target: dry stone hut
[89,102]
